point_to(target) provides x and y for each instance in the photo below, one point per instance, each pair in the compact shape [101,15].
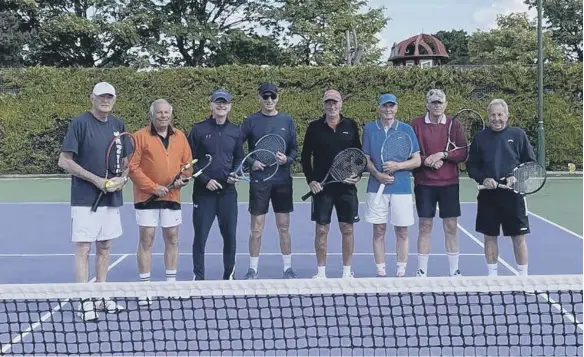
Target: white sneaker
[457,273]
[109,305]
[317,276]
[421,274]
[87,311]
[351,275]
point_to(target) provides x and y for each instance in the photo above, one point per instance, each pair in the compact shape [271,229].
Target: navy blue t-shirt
[88,139]
[257,125]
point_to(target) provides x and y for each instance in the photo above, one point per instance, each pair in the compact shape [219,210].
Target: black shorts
[498,209]
[340,196]
[260,194]
[447,198]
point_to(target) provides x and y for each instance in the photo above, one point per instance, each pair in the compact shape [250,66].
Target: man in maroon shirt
[436,181]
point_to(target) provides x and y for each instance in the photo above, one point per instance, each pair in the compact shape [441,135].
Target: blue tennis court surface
[40,252]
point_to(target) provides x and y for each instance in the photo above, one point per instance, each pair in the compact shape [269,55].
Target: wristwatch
[445,155]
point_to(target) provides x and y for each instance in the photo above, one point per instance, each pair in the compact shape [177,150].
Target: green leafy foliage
[33,121]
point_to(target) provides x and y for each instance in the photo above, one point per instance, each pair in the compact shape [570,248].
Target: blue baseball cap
[221,94]
[387,98]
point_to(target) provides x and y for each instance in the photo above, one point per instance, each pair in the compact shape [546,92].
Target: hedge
[37,103]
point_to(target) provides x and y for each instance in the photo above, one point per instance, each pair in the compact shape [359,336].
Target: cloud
[485,17]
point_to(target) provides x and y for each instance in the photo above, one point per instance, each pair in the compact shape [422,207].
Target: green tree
[564,19]
[513,41]
[456,43]
[316,31]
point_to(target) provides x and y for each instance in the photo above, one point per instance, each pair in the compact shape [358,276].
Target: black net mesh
[405,316]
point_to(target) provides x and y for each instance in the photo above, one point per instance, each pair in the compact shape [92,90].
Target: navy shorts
[504,209]
[261,193]
[343,198]
[446,197]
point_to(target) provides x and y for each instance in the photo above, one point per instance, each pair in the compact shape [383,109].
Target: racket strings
[348,163]
[273,143]
[471,124]
[396,148]
[529,178]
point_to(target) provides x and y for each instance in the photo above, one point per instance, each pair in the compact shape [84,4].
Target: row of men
[162,149]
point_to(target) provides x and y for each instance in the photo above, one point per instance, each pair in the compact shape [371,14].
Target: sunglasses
[273,96]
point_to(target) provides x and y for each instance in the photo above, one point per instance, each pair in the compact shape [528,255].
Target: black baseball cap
[268,87]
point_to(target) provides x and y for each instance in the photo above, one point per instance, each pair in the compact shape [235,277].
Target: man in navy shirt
[494,153]
[214,193]
[279,188]
[397,195]
[82,155]
[324,139]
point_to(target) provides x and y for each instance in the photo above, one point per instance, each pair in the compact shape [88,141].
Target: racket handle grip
[96,202]
[379,193]
[305,197]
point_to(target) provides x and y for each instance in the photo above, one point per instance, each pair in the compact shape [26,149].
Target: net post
[540,127]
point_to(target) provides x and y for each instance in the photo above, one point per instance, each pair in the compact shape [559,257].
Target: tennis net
[506,315]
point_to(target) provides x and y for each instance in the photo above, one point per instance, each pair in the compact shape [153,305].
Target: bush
[35,112]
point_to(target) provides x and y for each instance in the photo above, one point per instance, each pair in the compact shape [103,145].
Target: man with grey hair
[436,181]
[494,153]
[161,151]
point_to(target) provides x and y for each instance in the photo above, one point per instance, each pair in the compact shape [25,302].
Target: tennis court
[36,249]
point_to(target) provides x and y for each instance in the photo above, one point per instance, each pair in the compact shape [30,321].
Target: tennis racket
[347,163]
[176,177]
[472,123]
[272,142]
[266,157]
[530,177]
[396,147]
[198,173]
[121,147]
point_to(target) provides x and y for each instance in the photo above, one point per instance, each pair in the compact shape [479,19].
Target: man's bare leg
[320,247]
[144,254]
[170,235]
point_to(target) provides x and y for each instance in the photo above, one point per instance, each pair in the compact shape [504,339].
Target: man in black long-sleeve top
[214,193]
[324,139]
[494,153]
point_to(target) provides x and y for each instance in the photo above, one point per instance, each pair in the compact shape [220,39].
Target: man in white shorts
[397,200]
[161,151]
[82,155]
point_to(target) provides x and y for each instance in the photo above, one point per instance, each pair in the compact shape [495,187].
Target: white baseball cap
[104,88]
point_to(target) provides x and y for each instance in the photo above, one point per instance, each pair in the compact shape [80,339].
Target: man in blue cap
[214,193]
[278,190]
[397,200]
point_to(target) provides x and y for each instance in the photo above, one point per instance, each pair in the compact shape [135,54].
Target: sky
[412,17]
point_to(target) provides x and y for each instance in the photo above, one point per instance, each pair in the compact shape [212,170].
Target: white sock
[493,269]
[145,277]
[401,267]
[522,269]
[287,261]
[346,270]
[253,263]
[453,262]
[423,262]
[380,267]
[171,275]
[321,271]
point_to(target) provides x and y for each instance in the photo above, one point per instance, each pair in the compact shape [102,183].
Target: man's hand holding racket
[434,160]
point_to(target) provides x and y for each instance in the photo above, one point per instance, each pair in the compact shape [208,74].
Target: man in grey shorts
[83,156]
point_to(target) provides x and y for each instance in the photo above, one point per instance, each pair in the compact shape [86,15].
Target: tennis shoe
[251,274]
[421,274]
[110,306]
[318,276]
[290,274]
[381,273]
[350,275]
[457,273]
[87,311]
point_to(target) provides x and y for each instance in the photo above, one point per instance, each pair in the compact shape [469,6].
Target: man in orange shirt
[161,151]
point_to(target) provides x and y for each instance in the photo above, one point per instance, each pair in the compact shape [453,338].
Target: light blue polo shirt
[373,136]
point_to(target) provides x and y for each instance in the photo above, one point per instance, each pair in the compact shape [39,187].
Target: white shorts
[399,206]
[87,226]
[154,217]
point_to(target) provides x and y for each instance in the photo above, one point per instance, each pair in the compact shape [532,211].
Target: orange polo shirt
[153,164]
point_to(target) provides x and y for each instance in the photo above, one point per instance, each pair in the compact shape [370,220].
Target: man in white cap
[82,155]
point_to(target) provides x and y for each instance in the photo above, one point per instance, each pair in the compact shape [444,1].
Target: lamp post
[540,128]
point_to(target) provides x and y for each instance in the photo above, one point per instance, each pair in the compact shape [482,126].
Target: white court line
[305,254]
[555,224]
[559,307]
[46,316]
